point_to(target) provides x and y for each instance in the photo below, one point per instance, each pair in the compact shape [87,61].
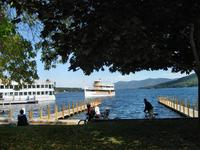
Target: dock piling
[40,112]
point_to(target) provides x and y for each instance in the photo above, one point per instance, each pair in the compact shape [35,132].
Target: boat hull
[90,94]
[26,100]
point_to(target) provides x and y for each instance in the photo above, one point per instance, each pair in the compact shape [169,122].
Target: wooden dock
[55,118]
[184,109]
[65,112]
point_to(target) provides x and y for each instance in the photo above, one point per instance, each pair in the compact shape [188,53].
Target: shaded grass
[124,134]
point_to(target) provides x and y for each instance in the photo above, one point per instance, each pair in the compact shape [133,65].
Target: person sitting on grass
[148,108]
[22,120]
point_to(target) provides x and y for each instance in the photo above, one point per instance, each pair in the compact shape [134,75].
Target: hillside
[139,84]
[67,89]
[188,81]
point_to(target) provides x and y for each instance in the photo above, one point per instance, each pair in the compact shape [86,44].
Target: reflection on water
[127,104]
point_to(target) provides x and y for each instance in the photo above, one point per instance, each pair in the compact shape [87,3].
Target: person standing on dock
[148,108]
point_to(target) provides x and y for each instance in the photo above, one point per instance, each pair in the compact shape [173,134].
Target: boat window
[20,93]
[50,86]
[5,94]
[29,86]
[6,87]
[33,93]
[25,86]
[1,95]
[46,92]
[38,86]
[42,86]
[29,93]
[11,93]
[42,93]
[25,93]
[38,93]
[11,86]
[33,86]
[46,86]
[50,93]
[2,87]
[16,93]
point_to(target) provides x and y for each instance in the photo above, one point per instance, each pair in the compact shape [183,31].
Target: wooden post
[188,108]
[48,111]
[31,114]
[69,108]
[64,107]
[77,107]
[178,108]
[193,108]
[83,106]
[40,112]
[184,107]
[10,114]
[73,107]
[56,112]
[63,111]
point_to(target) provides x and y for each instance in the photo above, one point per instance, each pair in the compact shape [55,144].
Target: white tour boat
[99,89]
[39,91]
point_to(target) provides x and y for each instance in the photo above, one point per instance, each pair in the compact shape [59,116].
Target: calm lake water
[127,104]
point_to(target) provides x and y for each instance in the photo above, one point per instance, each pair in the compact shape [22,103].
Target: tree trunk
[198,76]
[196,58]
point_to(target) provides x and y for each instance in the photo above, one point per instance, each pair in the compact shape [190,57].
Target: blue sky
[65,78]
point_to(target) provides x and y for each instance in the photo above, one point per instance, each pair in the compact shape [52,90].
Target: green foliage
[16,55]
[126,36]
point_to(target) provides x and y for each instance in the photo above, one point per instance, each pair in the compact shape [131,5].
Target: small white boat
[99,89]
[39,91]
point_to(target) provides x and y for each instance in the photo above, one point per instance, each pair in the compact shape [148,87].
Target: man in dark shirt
[148,107]
[22,120]
[90,112]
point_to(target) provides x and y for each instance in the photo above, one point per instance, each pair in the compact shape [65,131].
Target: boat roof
[35,82]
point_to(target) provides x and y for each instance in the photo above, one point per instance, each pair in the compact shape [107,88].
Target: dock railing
[183,108]
[64,111]
[45,114]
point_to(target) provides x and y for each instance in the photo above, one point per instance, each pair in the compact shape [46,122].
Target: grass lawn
[124,134]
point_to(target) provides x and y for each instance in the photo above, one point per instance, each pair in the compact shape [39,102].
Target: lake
[127,103]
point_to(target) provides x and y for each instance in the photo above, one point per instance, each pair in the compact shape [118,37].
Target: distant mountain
[187,81]
[67,89]
[140,84]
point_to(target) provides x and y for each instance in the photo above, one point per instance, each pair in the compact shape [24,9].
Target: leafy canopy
[126,36]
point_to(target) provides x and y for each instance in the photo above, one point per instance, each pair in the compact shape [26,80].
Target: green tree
[16,55]
[126,36]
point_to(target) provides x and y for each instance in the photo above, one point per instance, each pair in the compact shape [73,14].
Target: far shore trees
[125,36]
